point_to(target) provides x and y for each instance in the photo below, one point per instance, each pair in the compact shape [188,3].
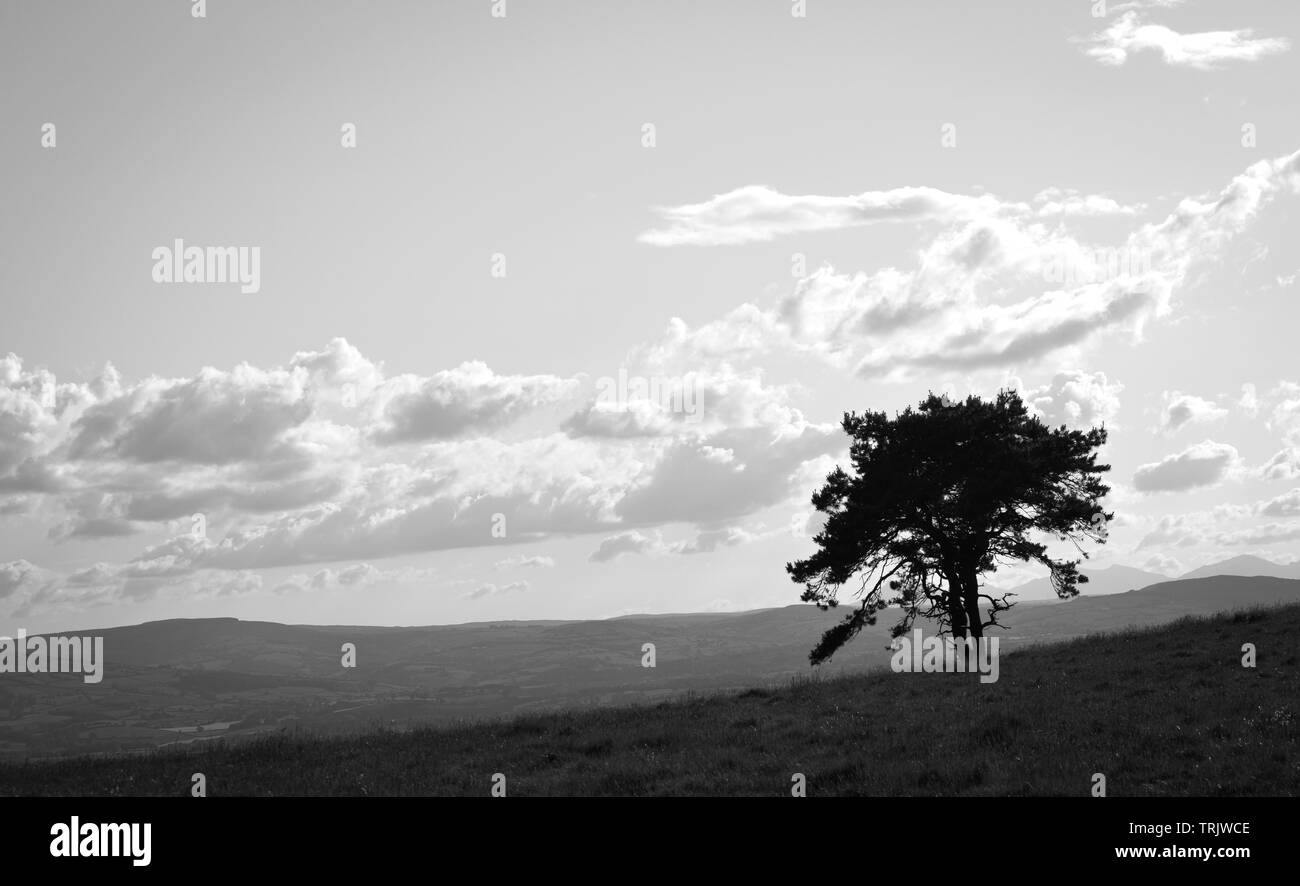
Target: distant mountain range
[1118,579]
[190,680]
[1247,565]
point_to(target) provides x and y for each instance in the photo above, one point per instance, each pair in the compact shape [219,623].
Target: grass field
[1165,711]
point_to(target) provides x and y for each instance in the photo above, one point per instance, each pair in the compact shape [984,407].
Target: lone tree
[940,495]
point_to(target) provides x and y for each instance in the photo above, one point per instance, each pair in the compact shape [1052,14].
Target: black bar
[329,837]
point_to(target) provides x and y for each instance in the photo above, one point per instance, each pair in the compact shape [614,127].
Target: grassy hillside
[240,680]
[1165,711]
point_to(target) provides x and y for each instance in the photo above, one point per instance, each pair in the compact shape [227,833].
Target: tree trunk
[971,601]
[956,604]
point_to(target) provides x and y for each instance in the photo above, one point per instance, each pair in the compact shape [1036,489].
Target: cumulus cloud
[636,418]
[630,542]
[1203,464]
[215,418]
[448,496]
[1205,50]
[1194,528]
[1285,413]
[732,473]
[692,405]
[1173,530]
[1285,465]
[260,468]
[1286,505]
[1076,399]
[1183,409]
[453,401]
[17,575]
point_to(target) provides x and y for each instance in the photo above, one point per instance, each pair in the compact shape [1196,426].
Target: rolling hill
[1166,711]
[1118,578]
[190,681]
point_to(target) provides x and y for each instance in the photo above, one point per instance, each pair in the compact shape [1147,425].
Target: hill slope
[188,681]
[1167,711]
[1118,578]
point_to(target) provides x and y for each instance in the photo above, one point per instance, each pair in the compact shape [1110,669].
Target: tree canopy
[938,496]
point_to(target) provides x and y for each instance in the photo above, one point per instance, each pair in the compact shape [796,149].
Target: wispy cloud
[1206,50]
[757,213]
[943,314]
[488,589]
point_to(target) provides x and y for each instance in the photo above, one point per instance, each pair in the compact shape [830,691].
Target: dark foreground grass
[1166,711]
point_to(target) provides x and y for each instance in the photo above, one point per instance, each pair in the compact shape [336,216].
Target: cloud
[1173,530]
[491,590]
[759,213]
[1206,50]
[1203,464]
[1281,405]
[726,476]
[454,401]
[1285,465]
[223,584]
[636,542]
[521,562]
[1164,564]
[1068,202]
[105,584]
[1249,401]
[294,465]
[1184,409]
[710,540]
[1285,413]
[1075,398]
[629,542]
[1267,534]
[355,575]
[691,405]
[17,575]
[215,418]
[1193,529]
[1008,335]
[330,458]
[636,418]
[994,286]
[1286,505]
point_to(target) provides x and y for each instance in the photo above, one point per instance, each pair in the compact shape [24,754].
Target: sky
[494,239]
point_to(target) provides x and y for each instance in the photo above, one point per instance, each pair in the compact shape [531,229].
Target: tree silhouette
[939,496]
